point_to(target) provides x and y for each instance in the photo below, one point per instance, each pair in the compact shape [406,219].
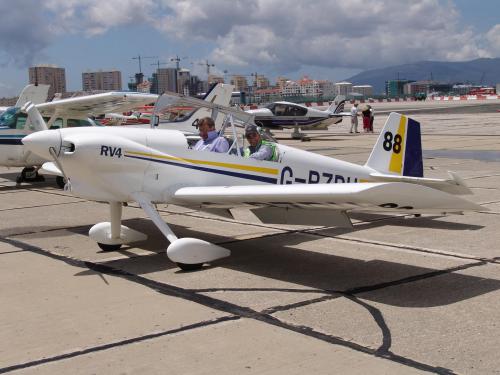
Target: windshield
[8,118]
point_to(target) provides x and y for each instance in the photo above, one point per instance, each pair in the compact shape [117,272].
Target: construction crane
[158,63]
[139,57]
[208,65]
[177,60]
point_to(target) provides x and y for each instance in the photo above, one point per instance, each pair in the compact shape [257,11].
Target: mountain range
[484,71]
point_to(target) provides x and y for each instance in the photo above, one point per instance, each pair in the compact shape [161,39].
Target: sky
[325,39]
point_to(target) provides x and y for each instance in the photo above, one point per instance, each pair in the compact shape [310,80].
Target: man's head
[205,125]
[252,135]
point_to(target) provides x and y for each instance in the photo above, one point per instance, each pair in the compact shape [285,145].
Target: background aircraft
[149,166]
[72,112]
[282,114]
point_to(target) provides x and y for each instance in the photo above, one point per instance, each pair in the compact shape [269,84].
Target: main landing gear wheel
[106,247]
[190,267]
[60,182]
[29,174]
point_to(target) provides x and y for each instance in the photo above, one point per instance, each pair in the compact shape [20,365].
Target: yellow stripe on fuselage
[251,168]
[397,159]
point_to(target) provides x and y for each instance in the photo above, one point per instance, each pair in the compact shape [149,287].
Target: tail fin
[398,150]
[35,94]
[337,105]
[219,94]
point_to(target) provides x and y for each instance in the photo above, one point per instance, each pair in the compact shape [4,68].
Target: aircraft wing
[171,100]
[324,204]
[98,104]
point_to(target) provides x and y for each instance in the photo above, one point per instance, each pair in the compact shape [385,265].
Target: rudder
[398,150]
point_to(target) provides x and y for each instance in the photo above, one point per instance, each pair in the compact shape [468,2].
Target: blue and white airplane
[279,115]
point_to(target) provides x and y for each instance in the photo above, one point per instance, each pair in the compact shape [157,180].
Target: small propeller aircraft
[279,115]
[151,166]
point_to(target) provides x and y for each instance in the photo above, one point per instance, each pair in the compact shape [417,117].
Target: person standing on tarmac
[354,118]
[258,148]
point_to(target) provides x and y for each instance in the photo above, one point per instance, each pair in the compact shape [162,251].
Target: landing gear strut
[188,253]
[110,236]
[298,135]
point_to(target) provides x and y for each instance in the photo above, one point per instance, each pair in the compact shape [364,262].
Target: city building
[183,81]
[343,88]
[309,87]
[212,78]
[290,88]
[281,81]
[327,88]
[102,80]
[166,80]
[395,88]
[49,75]
[365,90]
[240,83]
[262,82]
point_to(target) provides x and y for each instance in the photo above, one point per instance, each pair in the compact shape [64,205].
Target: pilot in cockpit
[259,148]
[210,138]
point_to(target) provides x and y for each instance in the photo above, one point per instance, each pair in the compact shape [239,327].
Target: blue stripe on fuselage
[11,139]
[204,169]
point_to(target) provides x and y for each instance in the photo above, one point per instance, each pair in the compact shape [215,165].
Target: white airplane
[150,166]
[72,112]
[279,115]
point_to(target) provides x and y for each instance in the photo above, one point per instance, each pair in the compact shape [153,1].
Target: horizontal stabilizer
[455,185]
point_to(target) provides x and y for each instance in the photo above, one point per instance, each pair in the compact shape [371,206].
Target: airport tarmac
[397,294]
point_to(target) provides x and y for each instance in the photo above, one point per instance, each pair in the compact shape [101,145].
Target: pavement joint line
[12,252]
[39,206]
[116,344]
[224,306]
[484,176]
[410,248]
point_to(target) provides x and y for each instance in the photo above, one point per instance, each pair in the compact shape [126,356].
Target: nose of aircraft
[40,142]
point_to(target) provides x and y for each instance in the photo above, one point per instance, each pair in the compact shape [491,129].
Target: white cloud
[266,34]
[493,37]
[94,17]
[325,33]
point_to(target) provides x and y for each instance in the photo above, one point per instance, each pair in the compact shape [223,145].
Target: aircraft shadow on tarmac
[275,257]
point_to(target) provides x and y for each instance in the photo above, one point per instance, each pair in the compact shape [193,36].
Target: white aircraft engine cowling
[103,169]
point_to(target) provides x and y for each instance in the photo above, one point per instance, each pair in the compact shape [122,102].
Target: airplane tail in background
[398,150]
[35,94]
[337,105]
[220,94]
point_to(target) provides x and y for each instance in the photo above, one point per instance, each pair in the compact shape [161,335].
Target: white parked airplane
[279,115]
[152,166]
[72,112]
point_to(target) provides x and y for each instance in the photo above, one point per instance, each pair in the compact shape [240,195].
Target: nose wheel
[29,174]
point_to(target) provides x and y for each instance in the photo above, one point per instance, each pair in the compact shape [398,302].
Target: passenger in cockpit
[210,138]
